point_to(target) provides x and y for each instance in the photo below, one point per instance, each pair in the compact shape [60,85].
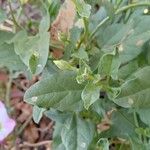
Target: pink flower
[6,124]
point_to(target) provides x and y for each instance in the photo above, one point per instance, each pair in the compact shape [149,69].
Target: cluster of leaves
[103,75]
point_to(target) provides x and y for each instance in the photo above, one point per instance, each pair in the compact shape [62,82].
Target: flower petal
[7,128]
[6,124]
[3,113]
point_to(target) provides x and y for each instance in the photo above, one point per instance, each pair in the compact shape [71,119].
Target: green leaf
[23,2]
[122,125]
[3,15]
[75,34]
[57,141]
[112,35]
[77,134]
[27,46]
[103,143]
[139,145]
[50,69]
[5,36]
[128,69]
[81,54]
[109,8]
[33,62]
[143,131]
[57,116]
[54,9]
[102,106]
[84,72]
[43,50]
[64,65]
[136,92]
[146,52]
[144,115]
[109,65]
[95,58]
[22,43]
[45,22]
[90,94]
[97,18]
[9,59]
[83,9]
[113,92]
[129,38]
[37,113]
[59,91]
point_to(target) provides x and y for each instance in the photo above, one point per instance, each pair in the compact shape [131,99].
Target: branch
[26,144]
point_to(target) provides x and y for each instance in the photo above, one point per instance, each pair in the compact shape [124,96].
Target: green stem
[116,13]
[121,146]
[135,119]
[97,28]
[131,6]
[118,4]
[85,33]
[145,140]
[127,17]
[137,123]
[12,15]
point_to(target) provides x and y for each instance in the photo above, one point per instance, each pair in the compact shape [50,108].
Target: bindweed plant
[6,124]
[93,59]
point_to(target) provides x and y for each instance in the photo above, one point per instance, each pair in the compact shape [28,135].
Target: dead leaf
[106,121]
[25,111]
[63,23]
[104,125]
[31,134]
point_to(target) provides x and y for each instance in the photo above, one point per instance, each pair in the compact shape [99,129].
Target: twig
[50,125]
[26,144]
[54,46]
[8,89]
[120,142]
[24,125]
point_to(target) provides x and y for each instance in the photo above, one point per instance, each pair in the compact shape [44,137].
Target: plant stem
[98,27]
[116,13]
[131,6]
[84,34]
[121,146]
[12,15]
[135,119]
[24,125]
[26,144]
[118,4]
[136,123]
[8,88]
[54,46]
